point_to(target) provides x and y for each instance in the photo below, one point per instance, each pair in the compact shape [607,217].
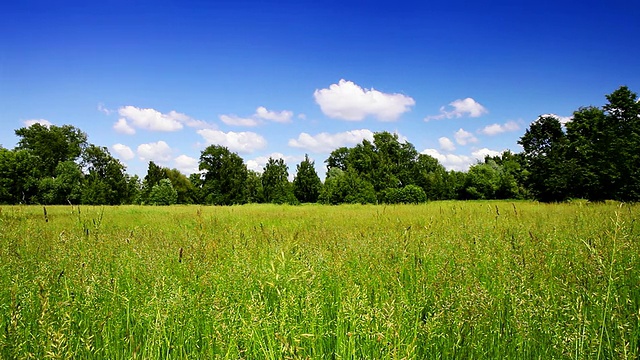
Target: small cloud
[480,154]
[302,116]
[122,127]
[451,161]
[43,122]
[154,120]
[495,129]
[158,151]
[464,137]
[461,107]
[242,142]
[104,110]
[446,144]
[186,164]
[235,120]
[280,117]
[348,101]
[326,142]
[258,118]
[123,151]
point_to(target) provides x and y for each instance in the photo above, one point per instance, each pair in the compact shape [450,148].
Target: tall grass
[440,280]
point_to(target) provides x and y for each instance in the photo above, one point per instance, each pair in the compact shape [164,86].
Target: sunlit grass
[439,280]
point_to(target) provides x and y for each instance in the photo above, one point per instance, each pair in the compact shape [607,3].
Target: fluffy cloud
[348,101]
[186,164]
[122,127]
[495,129]
[257,164]
[123,151]
[158,151]
[242,142]
[446,144]
[153,120]
[43,122]
[451,161]
[258,118]
[325,142]
[481,153]
[461,107]
[464,137]
[281,117]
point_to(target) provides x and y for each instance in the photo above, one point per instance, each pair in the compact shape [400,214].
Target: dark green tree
[307,184]
[346,187]
[275,183]
[545,148]
[106,179]
[338,159]
[224,176]
[255,193]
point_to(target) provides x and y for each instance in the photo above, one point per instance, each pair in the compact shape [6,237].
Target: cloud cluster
[348,101]
[495,129]
[241,142]
[157,151]
[461,107]
[258,118]
[325,142]
[123,151]
[132,117]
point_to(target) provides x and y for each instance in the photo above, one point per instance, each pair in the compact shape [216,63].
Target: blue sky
[161,80]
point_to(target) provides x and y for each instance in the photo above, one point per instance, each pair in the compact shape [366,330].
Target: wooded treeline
[595,156]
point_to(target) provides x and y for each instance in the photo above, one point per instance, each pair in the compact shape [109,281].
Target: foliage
[163,193]
[276,187]
[346,187]
[225,176]
[307,184]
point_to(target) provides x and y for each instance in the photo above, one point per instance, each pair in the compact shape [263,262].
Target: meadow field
[442,280]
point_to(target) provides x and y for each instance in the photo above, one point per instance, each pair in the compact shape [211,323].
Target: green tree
[346,187]
[52,144]
[155,173]
[163,193]
[307,184]
[106,179]
[275,183]
[254,190]
[545,148]
[225,176]
[338,159]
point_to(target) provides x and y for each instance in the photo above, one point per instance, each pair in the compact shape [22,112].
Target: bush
[163,193]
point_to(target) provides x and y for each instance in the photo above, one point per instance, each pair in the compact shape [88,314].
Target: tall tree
[307,184]
[106,179]
[545,147]
[275,182]
[225,176]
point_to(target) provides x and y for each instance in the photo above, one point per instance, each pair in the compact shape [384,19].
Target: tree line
[595,156]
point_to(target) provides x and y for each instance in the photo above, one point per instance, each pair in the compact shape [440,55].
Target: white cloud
[451,161]
[257,164]
[242,142]
[348,101]
[464,137]
[495,129]
[234,120]
[460,162]
[103,109]
[563,119]
[461,107]
[446,144]
[122,127]
[43,122]
[258,118]
[123,151]
[186,164]
[281,117]
[154,120]
[325,142]
[158,151]
[481,153]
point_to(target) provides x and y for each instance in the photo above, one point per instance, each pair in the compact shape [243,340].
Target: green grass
[435,281]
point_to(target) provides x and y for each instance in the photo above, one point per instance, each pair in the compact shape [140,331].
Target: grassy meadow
[439,280]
